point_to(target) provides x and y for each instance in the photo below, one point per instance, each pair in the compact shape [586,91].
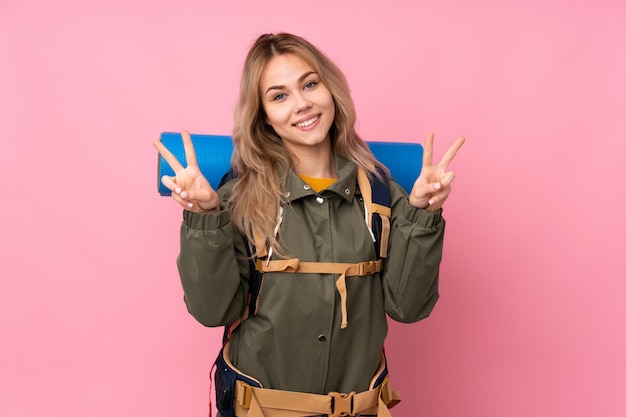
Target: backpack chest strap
[294,265]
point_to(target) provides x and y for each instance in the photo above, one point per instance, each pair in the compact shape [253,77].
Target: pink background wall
[531,318]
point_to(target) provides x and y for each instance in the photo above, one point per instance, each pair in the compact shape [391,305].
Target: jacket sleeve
[411,272]
[213,267]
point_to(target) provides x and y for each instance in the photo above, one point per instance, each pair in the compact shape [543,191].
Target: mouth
[308,122]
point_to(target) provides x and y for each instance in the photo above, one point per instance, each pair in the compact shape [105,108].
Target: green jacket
[295,342]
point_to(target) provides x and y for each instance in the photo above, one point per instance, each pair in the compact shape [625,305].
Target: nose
[302,103]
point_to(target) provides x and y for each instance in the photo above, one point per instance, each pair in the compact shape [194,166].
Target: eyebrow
[280,87]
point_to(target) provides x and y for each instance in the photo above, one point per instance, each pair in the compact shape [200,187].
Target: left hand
[189,187]
[432,187]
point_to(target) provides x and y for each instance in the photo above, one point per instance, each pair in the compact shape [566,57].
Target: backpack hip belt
[251,401]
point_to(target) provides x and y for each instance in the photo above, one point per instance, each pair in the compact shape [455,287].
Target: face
[298,106]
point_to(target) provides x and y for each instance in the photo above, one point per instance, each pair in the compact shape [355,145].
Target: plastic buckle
[368,268]
[244,394]
[341,404]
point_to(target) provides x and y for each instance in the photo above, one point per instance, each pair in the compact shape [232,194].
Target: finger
[422,190]
[187,205]
[449,155]
[447,179]
[170,183]
[437,200]
[435,187]
[203,200]
[168,156]
[191,195]
[190,152]
[427,158]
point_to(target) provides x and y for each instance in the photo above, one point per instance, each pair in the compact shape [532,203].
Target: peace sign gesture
[189,187]
[432,187]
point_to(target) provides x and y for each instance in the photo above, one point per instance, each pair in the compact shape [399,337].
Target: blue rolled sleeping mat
[213,153]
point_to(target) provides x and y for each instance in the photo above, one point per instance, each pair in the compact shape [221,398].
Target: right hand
[189,187]
[432,188]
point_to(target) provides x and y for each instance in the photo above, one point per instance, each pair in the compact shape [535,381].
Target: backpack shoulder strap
[230,175]
[377,201]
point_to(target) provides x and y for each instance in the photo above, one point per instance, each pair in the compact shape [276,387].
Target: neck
[315,162]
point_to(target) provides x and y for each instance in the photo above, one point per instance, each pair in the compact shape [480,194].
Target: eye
[278,96]
[309,85]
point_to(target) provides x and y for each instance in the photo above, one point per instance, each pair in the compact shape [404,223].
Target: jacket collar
[345,186]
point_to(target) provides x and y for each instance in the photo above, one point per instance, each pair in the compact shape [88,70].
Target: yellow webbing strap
[259,244]
[264,402]
[388,396]
[371,208]
[360,269]
[278,403]
[385,215]
[366,193]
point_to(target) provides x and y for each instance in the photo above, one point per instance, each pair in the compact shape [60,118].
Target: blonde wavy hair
[260,159]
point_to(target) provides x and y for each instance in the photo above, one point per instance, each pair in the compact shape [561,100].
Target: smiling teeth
[307,122]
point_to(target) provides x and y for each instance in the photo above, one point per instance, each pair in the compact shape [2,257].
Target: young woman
[296,196]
